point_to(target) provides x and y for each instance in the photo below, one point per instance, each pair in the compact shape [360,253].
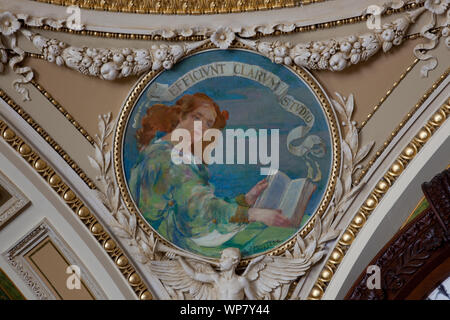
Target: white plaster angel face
[229,259]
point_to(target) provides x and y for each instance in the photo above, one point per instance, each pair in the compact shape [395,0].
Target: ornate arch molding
[415,251]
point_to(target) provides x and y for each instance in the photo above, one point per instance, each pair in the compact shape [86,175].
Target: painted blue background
[250,105]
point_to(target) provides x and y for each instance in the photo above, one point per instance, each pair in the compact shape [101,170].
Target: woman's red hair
[160,117]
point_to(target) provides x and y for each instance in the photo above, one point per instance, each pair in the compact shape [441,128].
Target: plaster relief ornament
[115,63]
[10,52]
[446,34]
[264,278]
[8,24]
[340,53]
[436,8]
[222,37]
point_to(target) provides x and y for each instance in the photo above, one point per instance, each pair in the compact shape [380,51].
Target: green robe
[180,204]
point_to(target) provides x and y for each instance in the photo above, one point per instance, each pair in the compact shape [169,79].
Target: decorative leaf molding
[124,223]
[305,253]
[114,63]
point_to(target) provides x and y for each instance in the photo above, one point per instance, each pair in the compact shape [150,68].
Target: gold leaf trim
[171,7]
[388,93]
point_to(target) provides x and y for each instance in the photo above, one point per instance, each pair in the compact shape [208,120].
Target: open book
[290,196]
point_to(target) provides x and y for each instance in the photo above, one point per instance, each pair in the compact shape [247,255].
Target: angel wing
[177,281]
[269,277]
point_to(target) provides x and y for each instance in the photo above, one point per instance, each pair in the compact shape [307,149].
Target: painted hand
[254,193]
[269,217]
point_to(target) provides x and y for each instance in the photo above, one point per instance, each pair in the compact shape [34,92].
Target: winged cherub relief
[265,277]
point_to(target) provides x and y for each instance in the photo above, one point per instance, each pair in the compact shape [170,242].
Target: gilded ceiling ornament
[57,184]
[124,224]
[337,54]
[391,175]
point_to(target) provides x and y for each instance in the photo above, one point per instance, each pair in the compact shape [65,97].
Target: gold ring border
[305,76]
[395,170]
[72,200]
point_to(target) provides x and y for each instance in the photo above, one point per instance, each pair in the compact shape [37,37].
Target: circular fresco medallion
[227,149]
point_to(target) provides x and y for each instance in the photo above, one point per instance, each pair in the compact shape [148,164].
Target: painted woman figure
[178,200]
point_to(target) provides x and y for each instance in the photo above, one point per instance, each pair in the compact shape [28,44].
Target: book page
[291,197]
[307,190]
[273,195]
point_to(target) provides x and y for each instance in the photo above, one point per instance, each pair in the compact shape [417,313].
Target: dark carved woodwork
[437,191]
[415,251]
